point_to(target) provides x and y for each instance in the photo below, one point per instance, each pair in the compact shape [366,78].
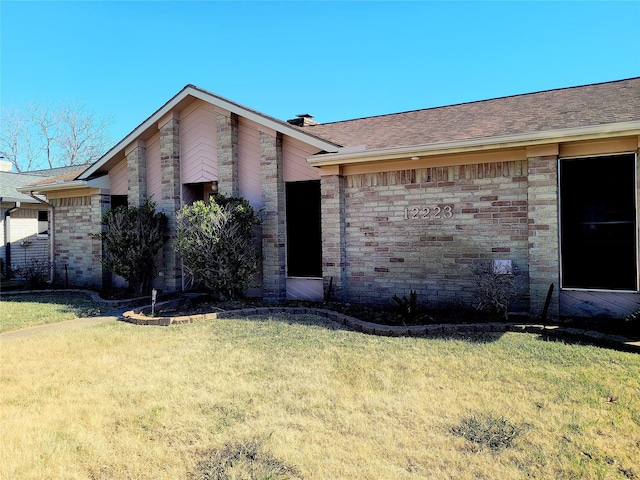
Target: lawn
[299,397]
[29,310]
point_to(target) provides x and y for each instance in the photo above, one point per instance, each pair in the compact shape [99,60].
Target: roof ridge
[474,102]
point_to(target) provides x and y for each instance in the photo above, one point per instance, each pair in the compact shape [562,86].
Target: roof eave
[593,132]
[99,183]
[197,93]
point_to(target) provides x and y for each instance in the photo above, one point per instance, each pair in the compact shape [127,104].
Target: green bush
[407,307]
[132,238]
[216,244]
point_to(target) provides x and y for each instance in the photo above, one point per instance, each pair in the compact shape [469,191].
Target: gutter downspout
[7,236]
[52,230]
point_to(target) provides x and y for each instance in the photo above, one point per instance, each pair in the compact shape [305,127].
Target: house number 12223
[427,213]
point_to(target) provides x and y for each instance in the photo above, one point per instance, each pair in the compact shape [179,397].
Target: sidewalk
[62,326]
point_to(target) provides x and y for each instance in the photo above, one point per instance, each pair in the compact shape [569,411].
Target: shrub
[487,431]
[632,322]
[496,289]
[216,243]
[132,238]
[407,307]
[35,272]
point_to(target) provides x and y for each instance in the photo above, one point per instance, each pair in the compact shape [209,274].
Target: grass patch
[487,431]
[242,459]
[299,393]
[22,311]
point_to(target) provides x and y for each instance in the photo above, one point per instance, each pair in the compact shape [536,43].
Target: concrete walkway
[61,326]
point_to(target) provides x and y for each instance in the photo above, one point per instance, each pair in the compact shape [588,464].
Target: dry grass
[130,402]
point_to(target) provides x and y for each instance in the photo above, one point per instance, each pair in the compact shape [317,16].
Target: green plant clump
[487,431]
[132,238]
[216,243]
[407,307]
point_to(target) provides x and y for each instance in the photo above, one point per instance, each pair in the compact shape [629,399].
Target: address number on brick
[428,213]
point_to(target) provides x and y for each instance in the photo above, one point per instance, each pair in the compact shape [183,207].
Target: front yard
[295,396]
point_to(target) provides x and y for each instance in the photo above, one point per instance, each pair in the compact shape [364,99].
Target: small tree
[216,244]
[132,238]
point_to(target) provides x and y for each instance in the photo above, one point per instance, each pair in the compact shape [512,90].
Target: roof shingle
[550,110]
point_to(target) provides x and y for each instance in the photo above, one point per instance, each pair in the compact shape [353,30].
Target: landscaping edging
[552,331]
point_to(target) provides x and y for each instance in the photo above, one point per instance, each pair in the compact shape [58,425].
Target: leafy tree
[132,238]
[216,244]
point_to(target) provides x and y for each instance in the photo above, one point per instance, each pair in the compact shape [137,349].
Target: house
[542,186]
[25,219]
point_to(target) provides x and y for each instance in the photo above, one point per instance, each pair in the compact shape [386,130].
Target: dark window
[598,223]
[43,222]
[119,201]
[304,242]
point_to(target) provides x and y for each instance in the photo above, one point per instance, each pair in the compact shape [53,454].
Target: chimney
[302,120]
[5,166]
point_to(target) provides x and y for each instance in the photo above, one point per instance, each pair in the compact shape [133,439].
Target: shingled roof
[583,106]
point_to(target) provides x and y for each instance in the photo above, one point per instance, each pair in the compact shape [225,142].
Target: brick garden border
[553,331]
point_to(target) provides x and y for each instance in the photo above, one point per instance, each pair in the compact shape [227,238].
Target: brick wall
[273,226]
[137,175]
[332,194]
[170,201]
[227,142]
[476,213]
[543,233]
[76,220]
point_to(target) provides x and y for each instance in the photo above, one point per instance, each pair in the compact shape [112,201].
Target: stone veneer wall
[544,247]
[227,152]
[76,220]
[273,226]
[170,202]
[477,213]
[137,175]
[332,202]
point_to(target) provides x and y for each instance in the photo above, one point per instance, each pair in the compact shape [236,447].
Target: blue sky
[335,60]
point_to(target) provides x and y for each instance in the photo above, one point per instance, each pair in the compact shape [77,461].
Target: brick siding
[273,227]
[170,202]
[77,253]
[390,253]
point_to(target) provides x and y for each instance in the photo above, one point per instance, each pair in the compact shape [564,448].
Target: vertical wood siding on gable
[118,178]
[296,167]
[154,173]
[249,182]
[198,147]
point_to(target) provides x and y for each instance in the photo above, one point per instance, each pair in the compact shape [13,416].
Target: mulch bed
[391,316]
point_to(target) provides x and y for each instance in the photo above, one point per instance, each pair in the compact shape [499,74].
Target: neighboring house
[543,185]
[24,219]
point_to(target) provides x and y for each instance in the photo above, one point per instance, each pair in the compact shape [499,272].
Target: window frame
[636,240]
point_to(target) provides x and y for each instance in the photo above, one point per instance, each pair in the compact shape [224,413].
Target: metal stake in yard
[154,294]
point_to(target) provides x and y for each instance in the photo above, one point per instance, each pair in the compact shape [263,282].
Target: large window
[304,241]
[598,223]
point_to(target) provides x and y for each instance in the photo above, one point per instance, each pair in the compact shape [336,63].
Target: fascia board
[593,132]
[215,100]
[263,120]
